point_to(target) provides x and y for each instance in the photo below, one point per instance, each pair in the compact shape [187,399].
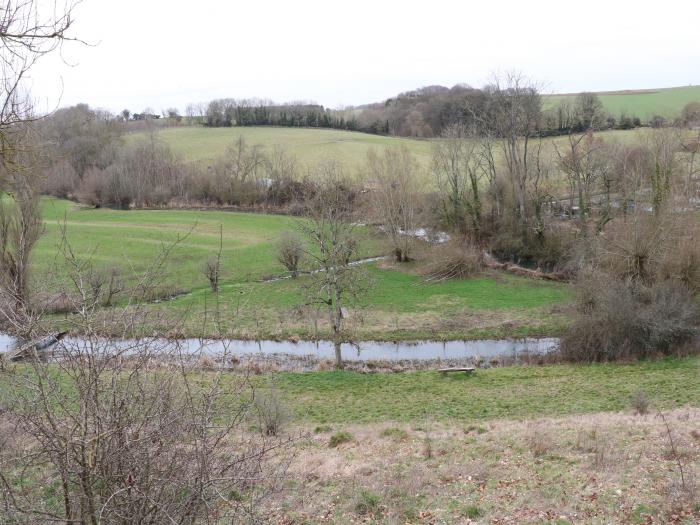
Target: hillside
[643,103]
[309,146]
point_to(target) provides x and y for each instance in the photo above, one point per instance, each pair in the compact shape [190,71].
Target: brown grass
[603,468]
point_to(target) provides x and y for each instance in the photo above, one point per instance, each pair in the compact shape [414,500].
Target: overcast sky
[162,53]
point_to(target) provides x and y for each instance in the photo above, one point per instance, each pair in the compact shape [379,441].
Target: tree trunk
[338,355]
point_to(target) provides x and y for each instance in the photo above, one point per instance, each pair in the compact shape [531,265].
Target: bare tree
[332,246]
[242,162]
[664,145]
[514,117]
[20,228]
[29,30]
[585,163]
[458,168]
[397,177]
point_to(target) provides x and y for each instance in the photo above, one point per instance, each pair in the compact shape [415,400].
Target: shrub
[54,303]
[453,260]
[290,251]
[640,403]
[61,180]
[212,271]
[550,250]
[623,319]
[339,438]
[273,414]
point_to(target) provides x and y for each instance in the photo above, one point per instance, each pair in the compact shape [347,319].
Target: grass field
[398,304]
[309,146]
[313,146]
[517,392]
[643,103]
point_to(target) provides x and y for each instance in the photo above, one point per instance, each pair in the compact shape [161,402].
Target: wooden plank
[445,371]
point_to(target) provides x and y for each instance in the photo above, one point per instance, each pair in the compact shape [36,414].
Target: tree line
[423,113]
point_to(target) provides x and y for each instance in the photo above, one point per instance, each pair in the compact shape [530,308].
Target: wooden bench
[445,371]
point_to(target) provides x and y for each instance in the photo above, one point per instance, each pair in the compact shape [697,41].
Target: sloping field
[309,146]
[643,103]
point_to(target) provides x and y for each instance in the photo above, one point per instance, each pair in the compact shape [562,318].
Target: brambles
[131,429]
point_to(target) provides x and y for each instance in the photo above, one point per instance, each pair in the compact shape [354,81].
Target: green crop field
[398,303]
[309,146]
[643,103]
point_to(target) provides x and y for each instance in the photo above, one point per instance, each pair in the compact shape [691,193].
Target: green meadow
[516,392]
[643,103]
[396,303]
[309,146]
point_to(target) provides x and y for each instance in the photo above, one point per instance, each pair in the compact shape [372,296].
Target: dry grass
[595,469]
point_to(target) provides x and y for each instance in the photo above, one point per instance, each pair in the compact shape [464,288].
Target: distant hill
[642,103]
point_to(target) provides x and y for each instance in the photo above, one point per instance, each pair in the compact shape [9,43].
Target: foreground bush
[626,319]
[117,431]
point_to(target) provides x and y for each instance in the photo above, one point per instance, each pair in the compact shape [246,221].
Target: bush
[290,251]
[339,438]
[273,414]
[640,403]
[212,271]
[453,260]
[653,249]
[549,251]
[54,302]
[625,319]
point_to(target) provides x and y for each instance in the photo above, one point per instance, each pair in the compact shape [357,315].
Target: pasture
[397,302]
[309,146]
[642,103]
[514,392]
